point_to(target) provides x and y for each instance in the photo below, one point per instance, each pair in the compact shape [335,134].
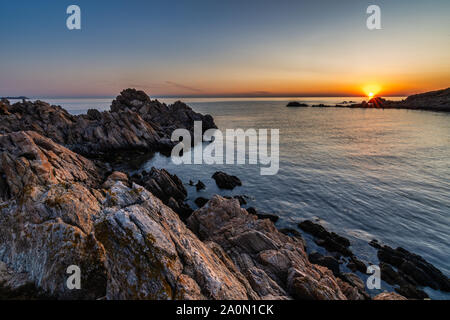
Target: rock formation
[275,265]
[126,127]
[225,181]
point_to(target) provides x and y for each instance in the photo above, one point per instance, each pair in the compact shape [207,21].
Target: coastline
[123,193]
[438,101]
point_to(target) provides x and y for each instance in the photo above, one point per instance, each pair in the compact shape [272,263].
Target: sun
[371,90]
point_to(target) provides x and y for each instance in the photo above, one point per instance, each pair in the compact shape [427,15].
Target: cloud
[177,85]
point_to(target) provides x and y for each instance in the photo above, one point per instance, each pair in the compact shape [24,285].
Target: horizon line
[206,96]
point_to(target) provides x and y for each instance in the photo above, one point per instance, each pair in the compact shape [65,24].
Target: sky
[223,48]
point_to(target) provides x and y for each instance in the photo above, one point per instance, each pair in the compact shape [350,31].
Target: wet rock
[329,240]
[200,201]
[167,187]
[225,181]
[296,104]
[357,288]
[356,265]
[271,217]
[252,210]
[275,265]
[241,199]
[374,243]
[415,267]
[200,185]
[295,234]
[326,261]
[411,292]
[391,276]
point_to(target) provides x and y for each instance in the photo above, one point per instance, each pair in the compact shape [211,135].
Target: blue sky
[222,48]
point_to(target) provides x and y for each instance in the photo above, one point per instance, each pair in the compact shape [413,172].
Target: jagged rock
[356,265]
[127,128]
[275,265]
[113,178]
[225,181]
[252,210]
[47,224]
[389,296]
[374,243]
[411,292]
[356,290]
[127,243]
[241,199]
[351,292]
[167,187]
[414,266]
[271,217]
[200,201]
[200,185]
[326,261]
[329,240]
[164,118]
[150,254]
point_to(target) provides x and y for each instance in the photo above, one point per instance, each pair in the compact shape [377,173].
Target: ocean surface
[363,173]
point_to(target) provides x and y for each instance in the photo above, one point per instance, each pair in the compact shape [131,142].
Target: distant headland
[16,98]
[431,101]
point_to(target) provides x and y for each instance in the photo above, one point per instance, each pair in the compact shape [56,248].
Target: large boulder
[225,181]
[275,264]
[167,187]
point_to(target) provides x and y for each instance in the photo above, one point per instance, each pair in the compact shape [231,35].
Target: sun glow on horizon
[371,90]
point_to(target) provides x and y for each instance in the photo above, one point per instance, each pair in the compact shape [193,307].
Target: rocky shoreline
[438,101]
[62,203]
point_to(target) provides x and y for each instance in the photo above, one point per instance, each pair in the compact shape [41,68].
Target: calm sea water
[364,173]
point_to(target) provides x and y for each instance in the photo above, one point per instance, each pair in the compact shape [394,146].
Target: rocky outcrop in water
[412,271]
[167,187]
[225,181]
[432,101]
[296,104]
[329,240]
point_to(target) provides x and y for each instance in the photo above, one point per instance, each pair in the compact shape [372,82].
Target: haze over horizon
[224,49]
